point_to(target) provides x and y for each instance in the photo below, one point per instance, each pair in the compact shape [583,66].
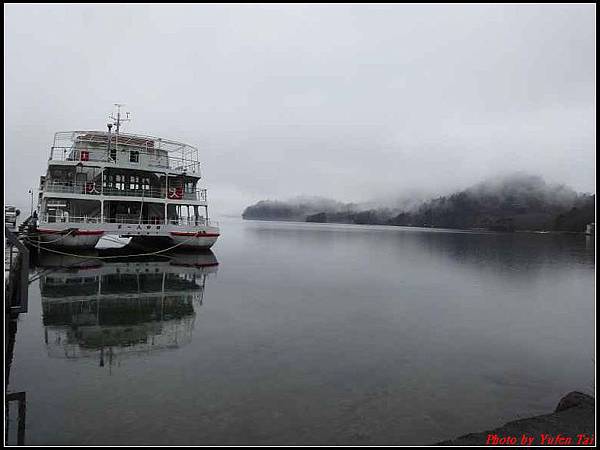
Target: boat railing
[181,194]
[151,161]
[72,188]
[95,188]
[52,218]
[151,193]
[182,221]
[192,222]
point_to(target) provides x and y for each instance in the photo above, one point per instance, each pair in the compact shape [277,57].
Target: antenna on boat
[118,120]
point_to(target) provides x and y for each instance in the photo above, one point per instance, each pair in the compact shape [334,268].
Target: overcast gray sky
[351,102]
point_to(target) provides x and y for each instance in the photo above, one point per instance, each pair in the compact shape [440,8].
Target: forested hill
[518,202]
[513,203]
[297,209]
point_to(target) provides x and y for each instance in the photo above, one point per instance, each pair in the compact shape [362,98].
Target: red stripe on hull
[75,233]
[89,233]
[199,234]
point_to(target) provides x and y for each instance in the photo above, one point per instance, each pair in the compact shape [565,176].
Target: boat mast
[117,124]
[117,120]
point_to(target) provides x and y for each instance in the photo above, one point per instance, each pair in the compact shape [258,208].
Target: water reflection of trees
[116,309]
[526,252]
[522,251]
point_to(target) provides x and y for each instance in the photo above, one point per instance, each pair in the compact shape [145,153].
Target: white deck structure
[102,183]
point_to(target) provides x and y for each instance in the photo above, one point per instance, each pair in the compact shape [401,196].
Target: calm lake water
[307,334]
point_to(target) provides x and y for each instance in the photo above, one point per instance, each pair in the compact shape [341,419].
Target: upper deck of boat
[125,150]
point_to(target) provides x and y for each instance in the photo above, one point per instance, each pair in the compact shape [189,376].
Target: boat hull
[147,236]
[69,239]
[194,240]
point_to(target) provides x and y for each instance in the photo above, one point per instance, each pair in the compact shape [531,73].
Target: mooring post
[18,283]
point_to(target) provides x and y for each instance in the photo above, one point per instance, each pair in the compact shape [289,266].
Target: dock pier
[16,287]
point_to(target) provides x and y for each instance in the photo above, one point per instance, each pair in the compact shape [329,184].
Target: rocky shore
[571,423]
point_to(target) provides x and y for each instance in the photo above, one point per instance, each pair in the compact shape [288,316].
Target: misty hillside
[516,202]
[295,209]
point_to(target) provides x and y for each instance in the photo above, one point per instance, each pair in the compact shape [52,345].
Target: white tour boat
[123,185]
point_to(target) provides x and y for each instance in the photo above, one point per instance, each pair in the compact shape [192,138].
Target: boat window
[120,182]
[134,183]
[109,180]
[134,156]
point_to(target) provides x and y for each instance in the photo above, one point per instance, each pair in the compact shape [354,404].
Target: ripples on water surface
[308,334]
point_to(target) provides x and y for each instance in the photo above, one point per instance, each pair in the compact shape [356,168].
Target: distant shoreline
[519,202]
[481,230]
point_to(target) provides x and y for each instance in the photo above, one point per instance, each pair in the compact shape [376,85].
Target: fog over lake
[349,102]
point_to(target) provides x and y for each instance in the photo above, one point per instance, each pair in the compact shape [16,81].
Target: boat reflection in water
[114,309]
